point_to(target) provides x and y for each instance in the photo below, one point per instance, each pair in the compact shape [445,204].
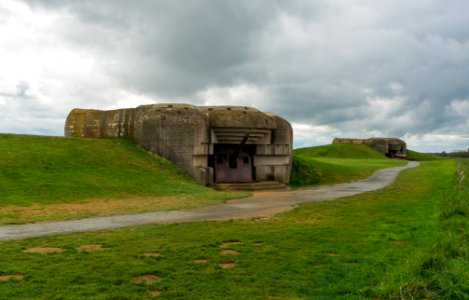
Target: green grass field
[340,151]
[407,241]
[54,178]
[336,163]
[414,155]
[51,178]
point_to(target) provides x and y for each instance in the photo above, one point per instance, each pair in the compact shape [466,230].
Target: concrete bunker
[390,147]
[213,144]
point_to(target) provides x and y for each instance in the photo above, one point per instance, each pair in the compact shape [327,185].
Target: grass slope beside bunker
[362,247]
[337,163]
[47,178]
[417,156]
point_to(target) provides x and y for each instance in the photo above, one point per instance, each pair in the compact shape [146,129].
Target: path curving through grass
[260,204]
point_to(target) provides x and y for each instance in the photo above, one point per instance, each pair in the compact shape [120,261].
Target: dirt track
[260,204]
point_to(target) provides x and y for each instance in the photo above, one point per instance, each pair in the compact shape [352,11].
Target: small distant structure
[212,144]
[390,147]
[456,153]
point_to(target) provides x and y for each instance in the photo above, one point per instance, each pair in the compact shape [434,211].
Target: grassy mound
[340,151]
[336,163]
[417,156]
[37,170]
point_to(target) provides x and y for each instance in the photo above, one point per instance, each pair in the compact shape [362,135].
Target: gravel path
[259,205]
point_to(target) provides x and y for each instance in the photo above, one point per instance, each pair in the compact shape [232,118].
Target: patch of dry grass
[44,250]
[147,279]
[15,214]
[11,277]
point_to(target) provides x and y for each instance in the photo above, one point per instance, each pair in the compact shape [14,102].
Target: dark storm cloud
[362,67]
[171,47]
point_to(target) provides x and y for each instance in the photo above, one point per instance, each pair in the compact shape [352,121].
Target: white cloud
[311,135]
[459,108]
[125,99]
[435,143]
[242,94]
[396,87]
[382,108]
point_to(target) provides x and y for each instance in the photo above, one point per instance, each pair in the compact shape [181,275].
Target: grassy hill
[340,151]
[414,155]
[336,163]
[56,178]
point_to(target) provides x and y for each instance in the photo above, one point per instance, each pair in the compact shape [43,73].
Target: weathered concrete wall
[118,123]
[179,132]
[274,161]
[99,123]
[238,117]
[348,141]
[83,123]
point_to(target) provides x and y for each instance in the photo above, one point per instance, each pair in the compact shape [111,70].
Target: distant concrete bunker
[390,147]
[213,144]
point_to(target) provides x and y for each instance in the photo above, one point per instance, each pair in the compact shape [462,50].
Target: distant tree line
[459,153]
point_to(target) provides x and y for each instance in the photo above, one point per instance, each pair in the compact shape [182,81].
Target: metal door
[238,171]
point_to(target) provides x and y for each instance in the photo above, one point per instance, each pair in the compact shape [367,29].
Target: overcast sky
[350,68]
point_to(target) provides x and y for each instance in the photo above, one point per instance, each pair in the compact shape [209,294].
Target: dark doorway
[394,150]
[229,168]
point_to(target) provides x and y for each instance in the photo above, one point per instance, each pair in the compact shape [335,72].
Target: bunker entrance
[395,150]
[232,164]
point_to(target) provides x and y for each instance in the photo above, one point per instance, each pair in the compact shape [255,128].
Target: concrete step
[250,186]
